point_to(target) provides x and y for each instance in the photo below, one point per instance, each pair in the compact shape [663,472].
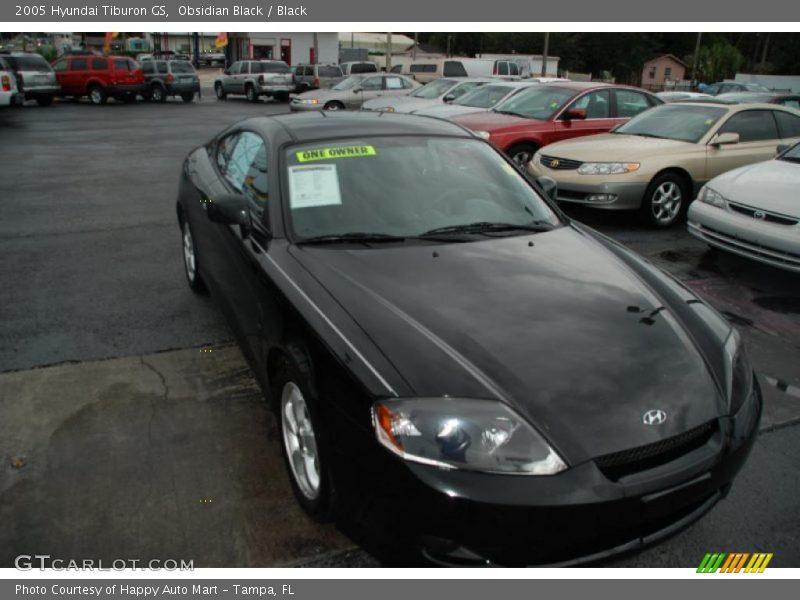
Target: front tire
[158,94]
[333,105]
[97,95]
[302,438]
[190,262]
[666,200]
[522,154]
[187,97]
[220,91]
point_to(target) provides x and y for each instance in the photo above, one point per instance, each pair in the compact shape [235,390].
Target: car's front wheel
[334,105]
[666,200]
[158,94]
[251,94]
[190,263]
[302,438]
[220,91]
[522,154]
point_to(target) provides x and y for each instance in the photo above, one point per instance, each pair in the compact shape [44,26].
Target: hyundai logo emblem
[554,163]
[654,417]
[759,214]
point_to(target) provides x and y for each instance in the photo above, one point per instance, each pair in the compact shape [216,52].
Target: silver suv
[254,78]
[36,76]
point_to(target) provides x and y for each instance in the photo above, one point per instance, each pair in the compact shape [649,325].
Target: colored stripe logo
[737,562]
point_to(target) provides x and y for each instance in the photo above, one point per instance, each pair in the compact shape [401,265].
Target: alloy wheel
[299,441]
[666,202]
[189,259]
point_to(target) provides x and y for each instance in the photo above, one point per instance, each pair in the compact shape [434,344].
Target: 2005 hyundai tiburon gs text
[458,367]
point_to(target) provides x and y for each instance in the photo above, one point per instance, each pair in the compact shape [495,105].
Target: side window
[407,84]
[371,84]
[454,68]
[502,67]
[225,150]
[513,68]
[237,170]
[255,186]
[162,67]
[60,66]
[752,126]
[429,68]
[79,64]
[121,64]
[148,67]
[788,124]
[394,83]
[236,68]
[630,103]
[596,104]
[99,64]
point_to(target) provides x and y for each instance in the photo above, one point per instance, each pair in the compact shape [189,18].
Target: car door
[61,69]
[371,87]
[597,104]
[79,75]
[758,138]
[229,81]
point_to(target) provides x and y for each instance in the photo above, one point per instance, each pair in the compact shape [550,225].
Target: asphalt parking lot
[130,425]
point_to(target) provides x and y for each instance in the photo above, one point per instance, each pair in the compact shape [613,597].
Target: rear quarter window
[364,68]
[454,68]
[99,64]
[788,124]
[79,64]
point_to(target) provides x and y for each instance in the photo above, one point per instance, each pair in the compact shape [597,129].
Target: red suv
[99,77]
[551,112]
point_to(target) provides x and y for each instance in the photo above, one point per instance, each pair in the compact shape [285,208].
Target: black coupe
[458,368]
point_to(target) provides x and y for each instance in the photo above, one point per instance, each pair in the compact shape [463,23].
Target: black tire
[522,154]
[666,200]
[46,100]
[220,91]
[187,97]
[97,95]
[158,93]
[294,370]
[193,278]
[333,105]
[282,97]
[250,93]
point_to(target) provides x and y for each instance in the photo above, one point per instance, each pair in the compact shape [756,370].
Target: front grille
[559,164]
[619,464]
[763,215]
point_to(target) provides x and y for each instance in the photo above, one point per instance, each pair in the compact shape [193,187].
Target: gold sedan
[656,162]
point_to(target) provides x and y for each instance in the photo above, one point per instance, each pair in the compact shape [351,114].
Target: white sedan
[753,211]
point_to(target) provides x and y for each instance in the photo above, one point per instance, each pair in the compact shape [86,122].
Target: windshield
[791,155]
[405,186]
[434,89]
[539,102]
[680,122]
[349,83]
[269,67]
[485,96]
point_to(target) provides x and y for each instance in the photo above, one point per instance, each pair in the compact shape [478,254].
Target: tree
[719,61]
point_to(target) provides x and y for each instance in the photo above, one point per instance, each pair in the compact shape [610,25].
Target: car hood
[322,94]
[560,329]
[615,147]
[401,103]
[499,123]
[770,185]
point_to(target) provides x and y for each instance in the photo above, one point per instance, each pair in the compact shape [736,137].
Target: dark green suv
[170,78]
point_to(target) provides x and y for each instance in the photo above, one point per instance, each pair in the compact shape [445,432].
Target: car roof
[729,104]
[320,125]
[586,85]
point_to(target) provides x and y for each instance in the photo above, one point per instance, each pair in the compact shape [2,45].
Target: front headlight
[607,168]
[711,196]
[311,101]
[459,433]
[387,109]
[483,134]
[739,372]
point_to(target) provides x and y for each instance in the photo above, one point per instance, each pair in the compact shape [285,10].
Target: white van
[428,69]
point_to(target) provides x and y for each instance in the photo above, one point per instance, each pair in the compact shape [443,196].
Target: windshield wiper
[649,135]
[486,226]
[509,112]
[353,237]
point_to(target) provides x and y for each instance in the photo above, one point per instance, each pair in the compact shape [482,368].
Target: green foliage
[48,52]
[717,62]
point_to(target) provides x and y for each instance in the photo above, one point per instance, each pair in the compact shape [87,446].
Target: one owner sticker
[336,152]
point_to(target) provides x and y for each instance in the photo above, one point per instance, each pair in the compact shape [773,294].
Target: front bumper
[296,106]
[456,518]
[585,189]
[768,243]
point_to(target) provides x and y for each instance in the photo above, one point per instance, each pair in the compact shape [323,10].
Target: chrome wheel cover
[189,260]
[299,441]
[666,202]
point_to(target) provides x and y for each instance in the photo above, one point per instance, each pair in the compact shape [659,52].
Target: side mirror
[548,185]
[358,90]
[781,149]
[575,113]
[725,139]
[449,98]
[230,209]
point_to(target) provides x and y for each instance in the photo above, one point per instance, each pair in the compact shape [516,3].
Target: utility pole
[316,49]
[544,54]
[388,51]
[696,57]
[764,54]
[416,43]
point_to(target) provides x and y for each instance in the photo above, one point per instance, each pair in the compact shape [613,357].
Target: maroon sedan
[552,112]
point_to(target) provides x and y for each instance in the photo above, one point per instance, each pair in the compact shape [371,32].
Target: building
[294,48]
[657,72]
